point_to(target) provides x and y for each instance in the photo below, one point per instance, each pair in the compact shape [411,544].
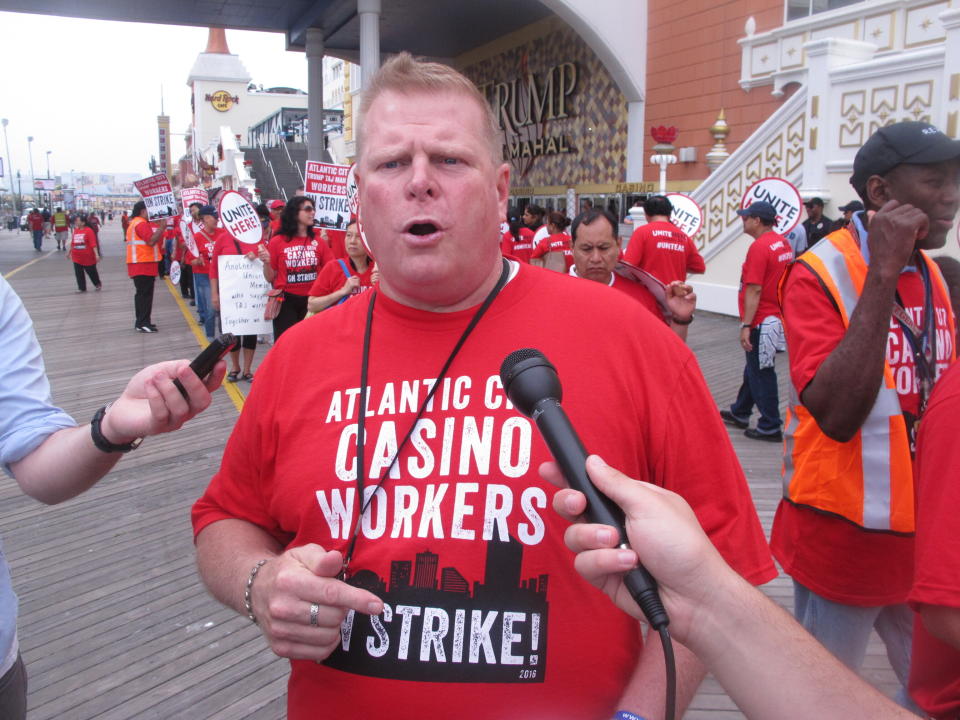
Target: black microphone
[532,385]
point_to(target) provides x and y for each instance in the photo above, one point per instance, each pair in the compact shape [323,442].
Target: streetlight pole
[33,178]
[6,122]
[49,177]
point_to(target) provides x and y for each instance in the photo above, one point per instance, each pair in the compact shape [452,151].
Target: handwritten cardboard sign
[243,295]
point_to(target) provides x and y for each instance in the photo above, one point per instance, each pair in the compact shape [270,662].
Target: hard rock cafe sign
[525,108]
[221,100]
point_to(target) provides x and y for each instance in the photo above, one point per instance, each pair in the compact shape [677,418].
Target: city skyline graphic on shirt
[437,626]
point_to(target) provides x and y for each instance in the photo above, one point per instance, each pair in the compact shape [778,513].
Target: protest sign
[784,197]
[188,196]
[687,213]
[353,192]
[326,185]
[243,295]
[239,218]
[158,195]
[175,272]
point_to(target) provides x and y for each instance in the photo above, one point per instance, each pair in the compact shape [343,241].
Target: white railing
[775,149]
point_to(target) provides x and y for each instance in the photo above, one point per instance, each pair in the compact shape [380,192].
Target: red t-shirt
[205,244]
[225,244]
[766,260]
[274,227]
[519,249]
[554,243]
[935,667]
[831,556]
[639,293]
[485,616]
[664,251]
[144,231]
[82,246]
[35,220]
[331,278]
[297,261]
[337,240]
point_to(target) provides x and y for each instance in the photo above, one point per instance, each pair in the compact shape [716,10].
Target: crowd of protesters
[864,525]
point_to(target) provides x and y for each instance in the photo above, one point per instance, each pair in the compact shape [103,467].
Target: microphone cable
[531,383]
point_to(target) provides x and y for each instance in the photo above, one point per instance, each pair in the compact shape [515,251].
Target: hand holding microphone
[532,385]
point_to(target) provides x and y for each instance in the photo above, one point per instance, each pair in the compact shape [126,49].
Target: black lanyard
[362,411]
[923,342]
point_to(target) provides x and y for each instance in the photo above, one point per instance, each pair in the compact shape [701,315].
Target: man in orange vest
[869,328]
[143,264]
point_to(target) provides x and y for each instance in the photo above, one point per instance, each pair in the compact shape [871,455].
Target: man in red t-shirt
[844,530]
[935,595]
[35,221]
[760,322]
[430,574]
[660,247]
[596,251]
[276,210]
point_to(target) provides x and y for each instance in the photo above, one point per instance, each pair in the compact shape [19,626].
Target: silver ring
[314,611]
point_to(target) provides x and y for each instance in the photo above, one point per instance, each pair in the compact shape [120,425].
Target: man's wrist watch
[102,443]
[745,325]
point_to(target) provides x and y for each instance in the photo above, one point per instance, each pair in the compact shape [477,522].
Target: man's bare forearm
[772,668]
[46,476]
[854,369]
[646,691]
[227,550]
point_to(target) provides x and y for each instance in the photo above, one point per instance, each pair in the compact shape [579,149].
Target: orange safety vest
[869,479]
[138,251]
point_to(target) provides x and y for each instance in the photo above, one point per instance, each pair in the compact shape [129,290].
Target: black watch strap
[101,442]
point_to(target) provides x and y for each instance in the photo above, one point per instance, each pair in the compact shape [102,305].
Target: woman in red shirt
[85,254]
[292,261]
[340,279]
[517,242]
[556,242]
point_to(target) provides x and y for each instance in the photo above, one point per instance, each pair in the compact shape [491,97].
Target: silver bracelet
[247,590]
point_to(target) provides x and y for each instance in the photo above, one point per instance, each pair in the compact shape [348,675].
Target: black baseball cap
[760,209]
[813,201]
[854,205]
[903,143]
[208,210]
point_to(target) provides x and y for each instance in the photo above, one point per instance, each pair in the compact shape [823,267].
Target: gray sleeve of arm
[27,414]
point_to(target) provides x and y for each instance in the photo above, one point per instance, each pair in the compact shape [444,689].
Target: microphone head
[528,377]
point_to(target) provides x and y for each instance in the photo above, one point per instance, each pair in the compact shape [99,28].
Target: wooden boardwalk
[114,622]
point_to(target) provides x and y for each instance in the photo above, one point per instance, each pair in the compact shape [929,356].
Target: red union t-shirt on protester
[297,261]
[518,249]
[205,243]
[935,665]
[830,556]
[766,260]
[331,278]
[484,615]
[226,244]
[337,242]
[664,251]
[82,246]
[560,242]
